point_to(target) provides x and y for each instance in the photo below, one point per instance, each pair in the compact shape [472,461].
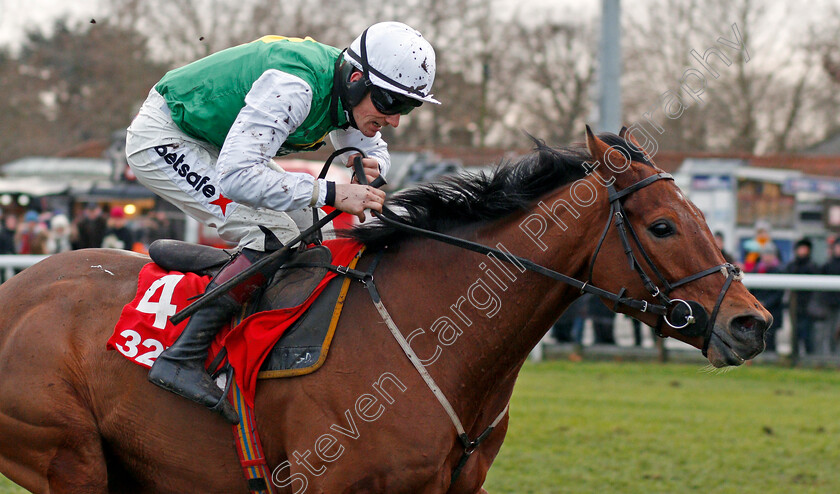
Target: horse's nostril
[750,324]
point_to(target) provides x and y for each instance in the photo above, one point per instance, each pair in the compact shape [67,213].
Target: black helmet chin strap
[340,93]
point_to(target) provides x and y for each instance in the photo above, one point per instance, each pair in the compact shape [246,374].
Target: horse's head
[663,253]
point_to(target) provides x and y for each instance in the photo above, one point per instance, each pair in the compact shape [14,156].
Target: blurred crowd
[96,225]
[814,316]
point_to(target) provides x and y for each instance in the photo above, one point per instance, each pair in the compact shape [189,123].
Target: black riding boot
[180,368]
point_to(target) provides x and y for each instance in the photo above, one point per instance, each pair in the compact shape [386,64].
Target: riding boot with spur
[181,367]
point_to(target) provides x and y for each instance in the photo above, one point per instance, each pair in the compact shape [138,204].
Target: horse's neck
[479,317]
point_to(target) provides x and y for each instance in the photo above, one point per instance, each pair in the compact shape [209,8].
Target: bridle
[676,313]
[689,318]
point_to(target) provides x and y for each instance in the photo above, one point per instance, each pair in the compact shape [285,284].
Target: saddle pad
[303,347]
[144,330]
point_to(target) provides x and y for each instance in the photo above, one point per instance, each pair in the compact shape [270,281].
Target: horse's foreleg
[51,459]
[49,441]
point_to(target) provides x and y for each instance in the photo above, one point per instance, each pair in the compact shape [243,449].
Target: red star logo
[222,202]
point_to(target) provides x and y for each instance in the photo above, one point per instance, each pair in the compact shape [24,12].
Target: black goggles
[390,103]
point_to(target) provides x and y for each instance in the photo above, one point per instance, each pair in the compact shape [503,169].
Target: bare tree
[495,77]
[185,30]
[754,88]
[555,69]
[823,101]
[22,116]
[74,84]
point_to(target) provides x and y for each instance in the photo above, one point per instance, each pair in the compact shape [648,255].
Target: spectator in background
[561,330]
[569,327]
[638,337]
[805,313]
[58,239]
[754,246]
[7,234]
[603,322]
[118,235]
[31,235]
[89,228]
[772,300]
[719,240]
[827,329]
[579,311]
[155,226]
[7,239]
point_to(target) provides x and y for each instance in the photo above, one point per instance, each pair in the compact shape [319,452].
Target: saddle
[177,255]
[303,347]
[293,283]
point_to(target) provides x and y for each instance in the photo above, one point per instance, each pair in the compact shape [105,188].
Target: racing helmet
[398,67]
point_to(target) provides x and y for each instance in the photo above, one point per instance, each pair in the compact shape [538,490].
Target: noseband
[689,318]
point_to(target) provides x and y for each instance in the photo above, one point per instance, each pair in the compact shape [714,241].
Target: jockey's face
[368,119]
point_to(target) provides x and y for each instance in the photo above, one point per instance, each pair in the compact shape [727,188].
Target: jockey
[205,137]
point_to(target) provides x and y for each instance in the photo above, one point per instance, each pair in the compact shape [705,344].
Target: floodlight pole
[609,77]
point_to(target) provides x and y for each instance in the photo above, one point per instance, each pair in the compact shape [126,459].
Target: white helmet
[395,57]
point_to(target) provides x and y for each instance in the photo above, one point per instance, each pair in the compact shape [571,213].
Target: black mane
[466,199]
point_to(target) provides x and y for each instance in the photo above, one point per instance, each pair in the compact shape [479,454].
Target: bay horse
[77,418]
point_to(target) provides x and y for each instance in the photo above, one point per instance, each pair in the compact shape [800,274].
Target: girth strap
[471,446]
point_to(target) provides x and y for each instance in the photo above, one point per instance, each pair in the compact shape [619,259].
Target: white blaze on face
[690,205]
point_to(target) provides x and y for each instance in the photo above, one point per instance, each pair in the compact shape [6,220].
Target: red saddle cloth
[144,331]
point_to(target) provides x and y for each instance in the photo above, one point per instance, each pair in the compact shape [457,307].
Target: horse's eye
[662,229]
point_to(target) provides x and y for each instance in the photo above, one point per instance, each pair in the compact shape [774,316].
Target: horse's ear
[602,152]
[628,136]
[632,140]
[592,143]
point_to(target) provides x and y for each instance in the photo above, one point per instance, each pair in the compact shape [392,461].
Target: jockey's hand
[371,166]
[354,199]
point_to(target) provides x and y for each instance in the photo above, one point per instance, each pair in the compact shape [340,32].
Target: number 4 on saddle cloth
[287,331]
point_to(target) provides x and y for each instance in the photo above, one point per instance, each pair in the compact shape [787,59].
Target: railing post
[11,262]
[794,330]
[661,351]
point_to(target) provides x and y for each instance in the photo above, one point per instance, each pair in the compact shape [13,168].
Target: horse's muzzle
[741,341]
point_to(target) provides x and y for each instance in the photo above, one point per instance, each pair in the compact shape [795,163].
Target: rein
[669,309]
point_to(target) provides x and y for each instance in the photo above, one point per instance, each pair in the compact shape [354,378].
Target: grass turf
[644,428]
[651,428]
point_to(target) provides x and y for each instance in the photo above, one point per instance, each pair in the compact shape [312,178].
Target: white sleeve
[275,106]
[374,147]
